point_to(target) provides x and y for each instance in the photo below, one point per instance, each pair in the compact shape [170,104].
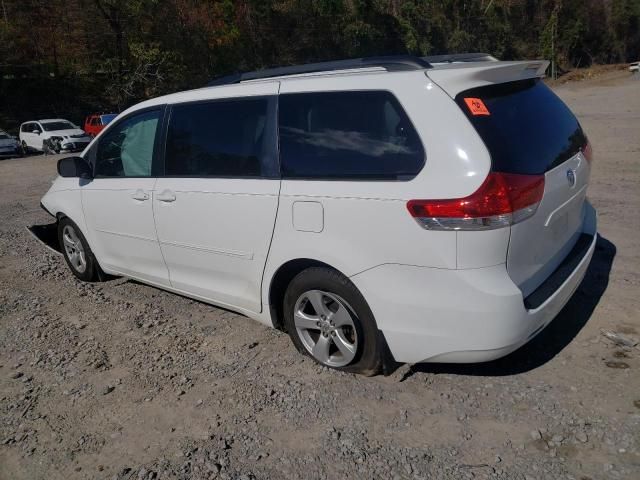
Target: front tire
[76,251]
[328,319]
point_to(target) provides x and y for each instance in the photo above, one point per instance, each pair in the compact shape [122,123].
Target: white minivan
[402,208]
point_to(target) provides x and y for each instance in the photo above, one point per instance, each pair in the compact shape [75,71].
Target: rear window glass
[347,135]
[526,127]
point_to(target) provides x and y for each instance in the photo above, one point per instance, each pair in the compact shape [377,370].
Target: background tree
[71,57]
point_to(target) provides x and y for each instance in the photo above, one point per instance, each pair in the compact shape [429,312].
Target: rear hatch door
[528,130]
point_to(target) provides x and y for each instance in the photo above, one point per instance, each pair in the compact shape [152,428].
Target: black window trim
[359,178]
[271,129]
[156,158]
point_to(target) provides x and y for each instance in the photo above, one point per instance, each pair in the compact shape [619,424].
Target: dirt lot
[120,380]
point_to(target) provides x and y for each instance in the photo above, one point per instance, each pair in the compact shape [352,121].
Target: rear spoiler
[458,77]
[459,57]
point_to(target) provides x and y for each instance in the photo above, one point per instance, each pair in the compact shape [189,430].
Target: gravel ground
[118,380]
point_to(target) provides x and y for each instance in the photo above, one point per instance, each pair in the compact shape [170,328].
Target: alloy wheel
[325,325]
[74,249]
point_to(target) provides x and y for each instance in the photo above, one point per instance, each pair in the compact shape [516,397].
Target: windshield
[107,118]
[53,126]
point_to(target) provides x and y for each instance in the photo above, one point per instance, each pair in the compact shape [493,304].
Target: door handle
[140,195]
[166,196]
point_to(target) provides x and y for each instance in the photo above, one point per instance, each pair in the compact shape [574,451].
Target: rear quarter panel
[366,223]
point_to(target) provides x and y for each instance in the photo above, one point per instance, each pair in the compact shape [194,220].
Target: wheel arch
[280,281]
[278,286]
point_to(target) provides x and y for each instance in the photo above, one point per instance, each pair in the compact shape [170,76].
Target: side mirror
[77,167]
[37,132]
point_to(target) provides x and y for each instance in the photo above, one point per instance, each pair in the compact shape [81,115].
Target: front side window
[127,149]
[347,135]
[223,138]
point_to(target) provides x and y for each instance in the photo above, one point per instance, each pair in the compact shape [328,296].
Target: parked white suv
[53,135]
[433,211]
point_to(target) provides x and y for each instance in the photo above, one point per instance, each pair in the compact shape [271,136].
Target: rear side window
[526,127]
[347,135]
[127,149]
[223,138]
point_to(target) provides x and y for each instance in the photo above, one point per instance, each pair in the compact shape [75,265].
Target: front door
[32,136]
[215,209]
[118,202]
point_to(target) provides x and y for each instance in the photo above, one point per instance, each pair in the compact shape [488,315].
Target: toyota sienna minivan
[423,209]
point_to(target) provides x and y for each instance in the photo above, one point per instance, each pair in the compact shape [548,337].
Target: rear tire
[328,319]
[77,252]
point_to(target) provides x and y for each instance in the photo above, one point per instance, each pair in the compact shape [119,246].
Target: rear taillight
[587,152]
[502,200]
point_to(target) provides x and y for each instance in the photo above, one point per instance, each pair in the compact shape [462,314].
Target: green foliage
[117,52]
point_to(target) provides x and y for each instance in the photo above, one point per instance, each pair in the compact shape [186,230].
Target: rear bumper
[462,316]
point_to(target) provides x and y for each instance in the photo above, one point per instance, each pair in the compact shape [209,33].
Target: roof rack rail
[390,62]
[460,57]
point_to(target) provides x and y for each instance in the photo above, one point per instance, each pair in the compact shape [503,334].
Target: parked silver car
[9,145]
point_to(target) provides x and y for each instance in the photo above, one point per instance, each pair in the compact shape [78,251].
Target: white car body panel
[453,296]
[119,217]
[217,256]
[460,316]
[30,139]
[65,198]
[556,223]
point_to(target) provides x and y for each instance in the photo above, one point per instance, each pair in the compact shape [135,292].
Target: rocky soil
[118,380]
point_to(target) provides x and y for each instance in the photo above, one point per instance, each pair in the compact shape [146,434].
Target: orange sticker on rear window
[476,106]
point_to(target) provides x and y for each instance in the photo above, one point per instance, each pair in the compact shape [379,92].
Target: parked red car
[94,123]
